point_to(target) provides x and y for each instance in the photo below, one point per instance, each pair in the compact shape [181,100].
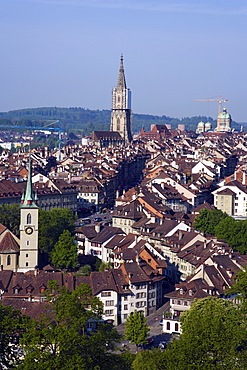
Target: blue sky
[66,53]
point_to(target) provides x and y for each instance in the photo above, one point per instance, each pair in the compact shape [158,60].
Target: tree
[10,216]
[240,285]
[64,254]
[52,224]
[208,219]
[59,340]
[150,360]
[105,266]
[136,328]
[213,337]
[85,270]
[12,323]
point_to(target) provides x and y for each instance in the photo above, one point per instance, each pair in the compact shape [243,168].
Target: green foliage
[10,216]
[85,270]
[87,120]
[208,219]
[58,340]
[105,266]
[213,337]
[12,324]
[136,328]
[150,360]
[240,285]
[52,224]
[217,223]
[64,254]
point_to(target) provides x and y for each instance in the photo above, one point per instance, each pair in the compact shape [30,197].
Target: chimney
[97,228]
[180,234]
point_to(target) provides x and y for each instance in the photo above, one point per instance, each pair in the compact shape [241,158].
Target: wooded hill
[86,120]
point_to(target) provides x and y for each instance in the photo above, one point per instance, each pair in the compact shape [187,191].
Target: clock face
[28,230]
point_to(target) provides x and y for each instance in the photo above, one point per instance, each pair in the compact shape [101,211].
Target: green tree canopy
[12,324]
[52,224]
[59,340]
[150,360]
[136,328]
[213,337]
[208,219]
[10,216]
[64,254]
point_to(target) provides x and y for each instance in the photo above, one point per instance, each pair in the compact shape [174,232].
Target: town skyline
[66,54]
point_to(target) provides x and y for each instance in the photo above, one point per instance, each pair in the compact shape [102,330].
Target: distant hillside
[86,120]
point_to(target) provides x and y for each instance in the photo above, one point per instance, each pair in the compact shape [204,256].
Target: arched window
[168,326]
[118,124]
[8,260]
[29,218]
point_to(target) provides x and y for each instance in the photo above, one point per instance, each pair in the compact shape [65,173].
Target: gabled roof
[107,233]
[8,244]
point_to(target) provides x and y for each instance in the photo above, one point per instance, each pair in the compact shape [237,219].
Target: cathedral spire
[121,77]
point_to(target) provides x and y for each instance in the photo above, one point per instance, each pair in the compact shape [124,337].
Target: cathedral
[121,115]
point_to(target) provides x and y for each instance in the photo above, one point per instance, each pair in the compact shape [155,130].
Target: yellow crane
[219,100]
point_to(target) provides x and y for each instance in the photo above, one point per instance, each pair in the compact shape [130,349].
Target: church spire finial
[121,77]
[28,200]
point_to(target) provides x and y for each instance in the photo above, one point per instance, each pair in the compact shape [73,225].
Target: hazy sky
[66,53]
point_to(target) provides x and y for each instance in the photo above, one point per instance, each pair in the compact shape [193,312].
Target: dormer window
[190,292]
[29,289]
[16,289]
[42,288]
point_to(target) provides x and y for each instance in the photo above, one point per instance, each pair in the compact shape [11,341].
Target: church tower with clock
[28,259]
[121,116]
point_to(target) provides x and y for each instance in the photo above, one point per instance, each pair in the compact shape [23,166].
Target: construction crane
[219,100]
[46,127]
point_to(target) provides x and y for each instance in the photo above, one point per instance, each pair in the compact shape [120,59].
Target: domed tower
[200,127]
[224,121]
[208,126]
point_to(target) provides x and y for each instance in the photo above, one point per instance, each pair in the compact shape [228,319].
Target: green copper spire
[28,201]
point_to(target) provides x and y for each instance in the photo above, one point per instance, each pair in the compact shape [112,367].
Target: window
[109,303]
[176,326]
[125,298]
[27,242]
[106,294]
[125,316]
[8,260]
[108,312]
[168,325]
[26,264]
[26,255]
[29,218]
[125,307]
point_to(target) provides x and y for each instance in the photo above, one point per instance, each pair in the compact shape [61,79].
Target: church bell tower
[121,116]
[28,259]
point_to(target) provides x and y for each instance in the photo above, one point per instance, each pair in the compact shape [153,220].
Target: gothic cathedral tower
[28,259]
[121,116]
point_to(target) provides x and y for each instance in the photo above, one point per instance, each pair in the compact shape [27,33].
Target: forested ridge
[87,120]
